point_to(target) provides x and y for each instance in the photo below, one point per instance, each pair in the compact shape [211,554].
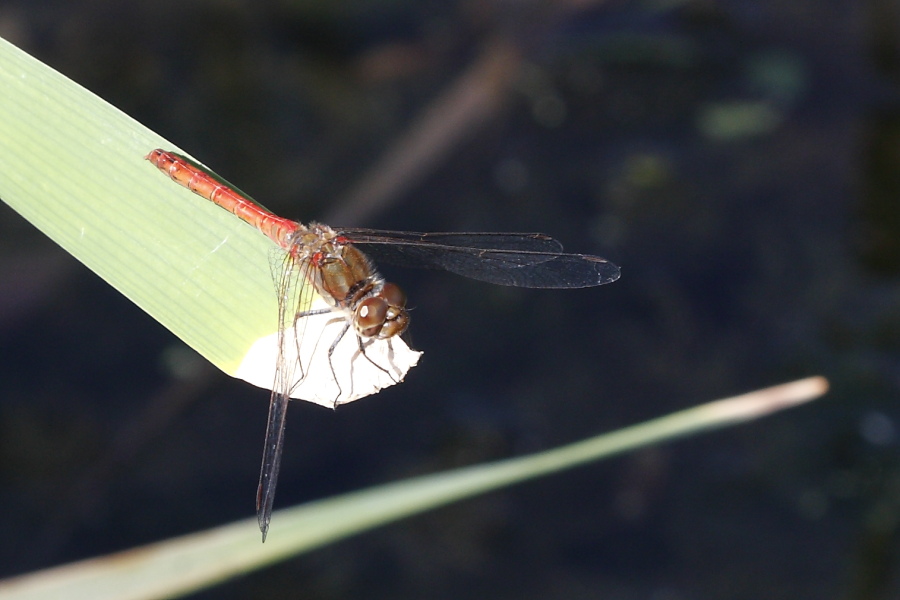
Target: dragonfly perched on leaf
[339,321]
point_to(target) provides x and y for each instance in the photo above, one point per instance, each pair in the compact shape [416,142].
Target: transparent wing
[294,295]
[530,260]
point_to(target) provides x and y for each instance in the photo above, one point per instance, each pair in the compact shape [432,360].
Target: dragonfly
[334,267]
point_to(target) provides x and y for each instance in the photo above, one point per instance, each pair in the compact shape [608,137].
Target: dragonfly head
[382,315]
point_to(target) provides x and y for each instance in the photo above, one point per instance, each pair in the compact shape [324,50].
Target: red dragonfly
[327,261]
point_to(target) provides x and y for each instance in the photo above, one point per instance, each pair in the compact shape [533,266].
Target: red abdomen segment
[277,229]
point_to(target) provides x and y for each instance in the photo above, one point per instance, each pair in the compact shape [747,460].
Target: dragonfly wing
[528,269]
[294,294]
[523,242]
[271,463]
[538,270]
[531,260]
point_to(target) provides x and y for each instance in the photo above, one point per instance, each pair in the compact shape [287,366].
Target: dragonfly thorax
[346,279]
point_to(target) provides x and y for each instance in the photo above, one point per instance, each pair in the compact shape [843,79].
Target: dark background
[739,160]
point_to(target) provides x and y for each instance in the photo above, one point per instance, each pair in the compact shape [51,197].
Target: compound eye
[370,316]
[393,295]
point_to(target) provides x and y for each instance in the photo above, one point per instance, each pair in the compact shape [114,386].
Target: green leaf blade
[74,166]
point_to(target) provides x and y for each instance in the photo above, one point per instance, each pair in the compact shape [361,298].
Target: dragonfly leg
[299,338]
[331,348]
[362,350]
